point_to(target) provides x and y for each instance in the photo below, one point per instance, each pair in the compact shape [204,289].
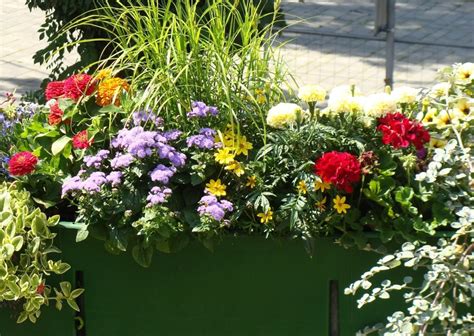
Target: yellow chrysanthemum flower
[224,156]
[109,90]
[340,204]
[302,187]
[104,73]
[236,168]
[216,187]
[320,185]
[312,93]
[321,204]
[265,217]
[251,182]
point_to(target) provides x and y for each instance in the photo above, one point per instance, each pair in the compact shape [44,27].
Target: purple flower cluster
[201,110]
[158,195]
[162,174]
[204,140]
[211,206]
[21,112]
[4,164]
[145,116]
[96,160]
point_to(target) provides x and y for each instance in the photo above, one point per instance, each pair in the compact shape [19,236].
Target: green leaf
[142,255]
[59,144]
[65,288]
[82,235]
[76,293]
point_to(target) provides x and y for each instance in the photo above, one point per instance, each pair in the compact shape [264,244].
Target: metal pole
[390,43]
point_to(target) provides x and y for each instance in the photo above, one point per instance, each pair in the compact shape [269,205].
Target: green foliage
[26,262]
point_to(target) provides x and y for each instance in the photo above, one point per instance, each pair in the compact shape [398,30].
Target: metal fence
[333,42]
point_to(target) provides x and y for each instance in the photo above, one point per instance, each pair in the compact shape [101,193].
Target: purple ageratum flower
[71,184]
[162,174]
[94,181]
[172,135]
[114,178]
[177,159]
[200,110]
[144,116]
[205,139]
[96,160]
[209,205]
[121,161]
[158,195]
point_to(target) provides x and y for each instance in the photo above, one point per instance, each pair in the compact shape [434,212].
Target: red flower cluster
[341,169]
[399,131]
[73,87]
[54,90]
[78,85]
[55,115]
[81,140]
[22,163]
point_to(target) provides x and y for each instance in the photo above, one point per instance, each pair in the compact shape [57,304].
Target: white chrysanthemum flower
[405,94]
[380,104]
[464,73]
[440,90]
[345,99]
[283,114]
[312,93]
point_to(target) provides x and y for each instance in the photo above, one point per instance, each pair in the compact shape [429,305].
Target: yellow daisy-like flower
[251,182]
[465,72]
[302,188]
[321,205]
[224,156]
[243,146]
[109,90]
[463,107]
[236,168]
[320,185]
[216,188]
[340,204]
[265,217]
[445,119]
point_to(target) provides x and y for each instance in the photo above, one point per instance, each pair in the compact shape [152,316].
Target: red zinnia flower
[22,163]
[55,115]
[399,131]
[81,140]
[78,85]
[341,169]
[54,90]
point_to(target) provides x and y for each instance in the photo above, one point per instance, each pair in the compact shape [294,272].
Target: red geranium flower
[78,85]
[54,90]
[341,169]
[55,115]
[399,131]
[22,163]
[81,140]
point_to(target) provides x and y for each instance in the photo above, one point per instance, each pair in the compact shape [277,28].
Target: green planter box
[248,286]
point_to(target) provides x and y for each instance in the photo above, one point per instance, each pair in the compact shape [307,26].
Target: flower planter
[248,286]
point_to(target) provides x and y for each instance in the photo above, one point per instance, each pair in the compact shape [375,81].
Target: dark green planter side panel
[248,286]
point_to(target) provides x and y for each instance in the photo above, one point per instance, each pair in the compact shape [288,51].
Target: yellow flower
[463,107]
[104,73]
[251,182]
[224,156]
[259,91]
[265,217]
[243,146]
[109,90]
[465,73]
[261,99]
[440,90]
[437,143]
[216,188]
[301,187]
[445,119]
[283,114]
[340,204]
[320,185]
[236,168]
[312,93]
[429,116]
[321,205]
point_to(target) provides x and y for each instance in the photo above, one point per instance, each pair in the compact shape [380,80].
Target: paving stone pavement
[313,58]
